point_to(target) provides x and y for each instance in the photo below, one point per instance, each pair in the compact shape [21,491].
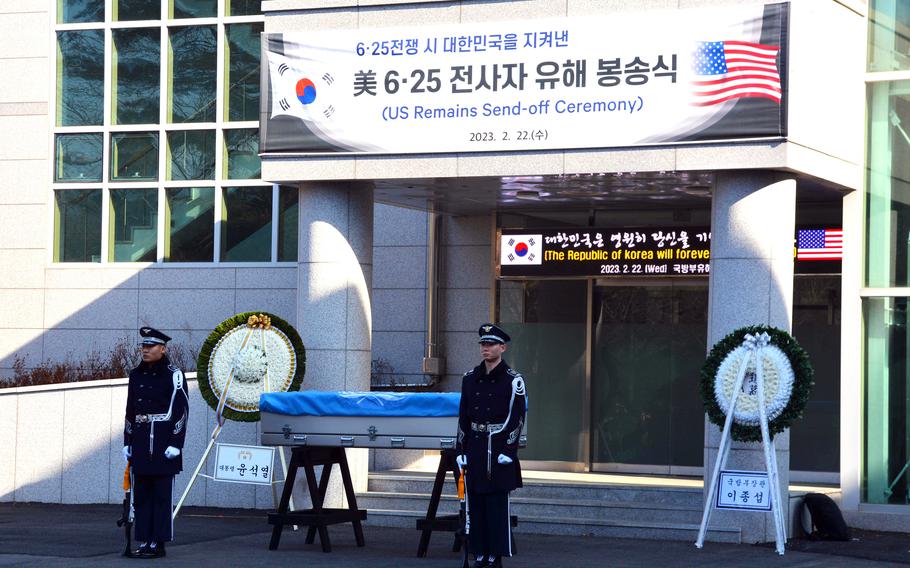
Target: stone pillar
[751,282]
[335,271]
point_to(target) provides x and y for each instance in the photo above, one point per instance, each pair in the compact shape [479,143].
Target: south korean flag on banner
[520,249]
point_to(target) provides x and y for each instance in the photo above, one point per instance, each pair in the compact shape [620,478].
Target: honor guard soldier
[490,419]
[157,408]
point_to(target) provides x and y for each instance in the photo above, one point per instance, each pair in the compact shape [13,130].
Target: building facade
[136,190]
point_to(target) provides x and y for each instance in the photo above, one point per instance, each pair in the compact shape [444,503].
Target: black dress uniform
[157,408]
[490,421]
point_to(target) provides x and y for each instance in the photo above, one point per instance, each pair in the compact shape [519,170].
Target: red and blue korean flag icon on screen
[521,249]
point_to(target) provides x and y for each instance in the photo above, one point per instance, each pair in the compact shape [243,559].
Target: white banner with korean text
[622,79]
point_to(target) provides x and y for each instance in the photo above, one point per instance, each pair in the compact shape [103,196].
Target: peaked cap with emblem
[151,336]
[493,334]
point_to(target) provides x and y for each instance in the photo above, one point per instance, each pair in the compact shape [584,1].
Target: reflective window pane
[288,212]
[77,225]
[242,153]
[191,154]
[190,224]
[242,72]
[888,186]
[136,10]
[135,76]
[243,7]
[887,392]
[547,321]
[77,157]
[134,225]
[889,43]
[80,78]
[246,224]
[134,156]
[78,11]
[194,8]
[192,74]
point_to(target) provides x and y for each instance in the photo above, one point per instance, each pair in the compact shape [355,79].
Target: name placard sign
[244,464]
[743,490]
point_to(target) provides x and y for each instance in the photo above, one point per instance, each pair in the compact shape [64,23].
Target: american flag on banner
[820,244]
[735,69]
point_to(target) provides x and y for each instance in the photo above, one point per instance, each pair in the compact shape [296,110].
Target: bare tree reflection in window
[193,71]
[80,67]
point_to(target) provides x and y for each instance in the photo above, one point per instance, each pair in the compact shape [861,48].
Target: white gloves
[504,459]
[171,452]
[127,453]
[461,460]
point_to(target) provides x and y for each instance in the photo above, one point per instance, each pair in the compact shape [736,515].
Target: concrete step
[418,483]
[543,507]
[574,526]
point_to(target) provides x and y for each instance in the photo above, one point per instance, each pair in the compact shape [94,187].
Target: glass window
[243,7]
[79,11]
[288,212]
[134,225]
[77,157]
[80,78]
[888,185]
[242,154]
[134,156]
[77,225]
[135,10]
[887,386]
[194,8]
[242,72]
[191,154]
[815,439]
[135,76]
[246,224]
[192,74]
[190,222]
[889,42]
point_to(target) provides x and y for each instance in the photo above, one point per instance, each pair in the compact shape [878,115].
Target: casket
[360,419]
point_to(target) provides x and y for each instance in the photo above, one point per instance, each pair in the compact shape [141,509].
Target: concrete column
[335,272]
[751,283]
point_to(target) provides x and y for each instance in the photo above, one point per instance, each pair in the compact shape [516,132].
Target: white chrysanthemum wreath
[246,355]
[787,373]
[242,352]
[778,383]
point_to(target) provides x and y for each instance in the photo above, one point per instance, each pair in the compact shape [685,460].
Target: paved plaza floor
[87,535]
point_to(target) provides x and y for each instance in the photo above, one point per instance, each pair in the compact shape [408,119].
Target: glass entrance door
[648,345]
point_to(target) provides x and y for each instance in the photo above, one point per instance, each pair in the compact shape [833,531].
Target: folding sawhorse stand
[448,523]
[317,518]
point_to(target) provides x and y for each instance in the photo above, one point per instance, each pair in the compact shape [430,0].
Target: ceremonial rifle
[463,515]
[127,514]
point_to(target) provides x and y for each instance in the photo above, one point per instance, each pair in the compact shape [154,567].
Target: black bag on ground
[827,521]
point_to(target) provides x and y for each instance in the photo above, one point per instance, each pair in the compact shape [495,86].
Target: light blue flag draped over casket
[335,403]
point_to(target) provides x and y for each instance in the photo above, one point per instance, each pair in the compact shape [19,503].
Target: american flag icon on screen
[820,244]
[735,69]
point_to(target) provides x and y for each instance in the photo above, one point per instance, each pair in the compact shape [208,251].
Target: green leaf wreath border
[803,381]
[202,363]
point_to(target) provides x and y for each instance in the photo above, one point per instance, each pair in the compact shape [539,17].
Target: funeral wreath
[246,355]
[788,380]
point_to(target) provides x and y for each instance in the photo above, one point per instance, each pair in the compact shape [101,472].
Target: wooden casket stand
[317,518]
[450,523]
